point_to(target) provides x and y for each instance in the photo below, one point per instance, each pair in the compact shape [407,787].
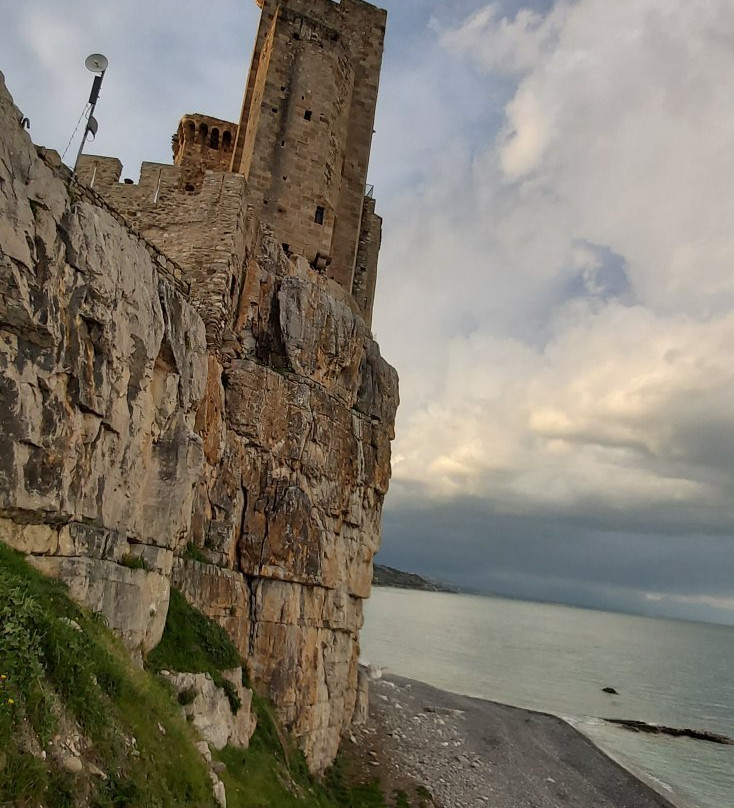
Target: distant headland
[389,576]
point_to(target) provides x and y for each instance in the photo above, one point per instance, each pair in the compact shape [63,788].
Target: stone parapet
[202,227]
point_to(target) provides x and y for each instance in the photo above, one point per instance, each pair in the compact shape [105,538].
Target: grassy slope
[59,680]
[56,678]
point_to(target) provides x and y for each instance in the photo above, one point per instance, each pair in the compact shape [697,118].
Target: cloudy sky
[556,285]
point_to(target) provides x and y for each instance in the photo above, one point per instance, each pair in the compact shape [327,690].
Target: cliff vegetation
[81,725]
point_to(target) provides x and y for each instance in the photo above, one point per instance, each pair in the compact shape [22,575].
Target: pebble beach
[452,751]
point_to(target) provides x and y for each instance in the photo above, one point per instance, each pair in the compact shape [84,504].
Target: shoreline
[470,752]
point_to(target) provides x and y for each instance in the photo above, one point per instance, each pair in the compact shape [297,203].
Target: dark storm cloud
[559,559]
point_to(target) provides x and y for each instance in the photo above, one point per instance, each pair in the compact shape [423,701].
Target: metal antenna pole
[96,63]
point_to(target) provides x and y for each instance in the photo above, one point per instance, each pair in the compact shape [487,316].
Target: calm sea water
[557,659]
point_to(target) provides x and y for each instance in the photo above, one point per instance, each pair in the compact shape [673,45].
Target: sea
[557,659]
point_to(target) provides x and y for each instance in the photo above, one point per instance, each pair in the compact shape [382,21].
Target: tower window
[308,114]
[227,140]
[319,216]
[214,139]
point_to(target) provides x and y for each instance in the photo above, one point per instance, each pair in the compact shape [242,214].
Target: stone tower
[305,132]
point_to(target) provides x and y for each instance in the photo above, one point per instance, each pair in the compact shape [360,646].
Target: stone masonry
[305,131]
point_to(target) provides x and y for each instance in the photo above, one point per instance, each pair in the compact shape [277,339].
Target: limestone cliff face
[297,428]
[129,429]
[102,366]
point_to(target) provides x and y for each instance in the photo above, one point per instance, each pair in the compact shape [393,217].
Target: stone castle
[187,373]
[302,145]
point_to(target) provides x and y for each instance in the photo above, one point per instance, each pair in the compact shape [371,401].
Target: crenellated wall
[205,229]
[202,144]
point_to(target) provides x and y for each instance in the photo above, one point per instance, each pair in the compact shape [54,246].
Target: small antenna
[95,63]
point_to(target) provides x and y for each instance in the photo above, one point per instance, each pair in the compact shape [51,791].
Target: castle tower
[305,132]
[201,144]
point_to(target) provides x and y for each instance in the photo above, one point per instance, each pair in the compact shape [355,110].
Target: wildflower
[3,676]
[10,701]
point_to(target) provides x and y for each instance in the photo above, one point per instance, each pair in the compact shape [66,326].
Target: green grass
[134,562]
[195,553]
[192,643]
[52,674]
[260,778]
[55,674]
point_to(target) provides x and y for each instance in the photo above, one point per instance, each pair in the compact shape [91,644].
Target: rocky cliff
[245,460]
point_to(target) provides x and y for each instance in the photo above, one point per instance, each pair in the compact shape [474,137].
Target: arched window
[191,128]
[227,140]
[203,132]
[214,139]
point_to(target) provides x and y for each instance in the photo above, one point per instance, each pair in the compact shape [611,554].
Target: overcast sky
[556,285]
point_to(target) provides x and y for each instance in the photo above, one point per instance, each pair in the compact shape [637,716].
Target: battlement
[203,229]
[201,144]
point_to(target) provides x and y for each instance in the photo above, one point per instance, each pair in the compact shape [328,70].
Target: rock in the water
[675,732]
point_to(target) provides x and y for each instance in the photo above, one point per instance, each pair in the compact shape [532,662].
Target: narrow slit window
[319,216]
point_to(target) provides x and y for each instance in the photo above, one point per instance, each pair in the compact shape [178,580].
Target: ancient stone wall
[201,144]
[204,228]
[368,251]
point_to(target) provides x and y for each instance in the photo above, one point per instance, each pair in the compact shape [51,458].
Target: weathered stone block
[208,708]
[133,601]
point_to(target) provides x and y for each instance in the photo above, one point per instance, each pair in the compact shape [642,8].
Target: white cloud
[618,133]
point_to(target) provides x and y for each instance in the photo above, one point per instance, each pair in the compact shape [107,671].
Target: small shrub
[194,553]
[134,562]
[232,696]
[186,696]
[401,800]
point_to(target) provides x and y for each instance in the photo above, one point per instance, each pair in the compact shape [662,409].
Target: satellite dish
[96,63]
[92,126]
